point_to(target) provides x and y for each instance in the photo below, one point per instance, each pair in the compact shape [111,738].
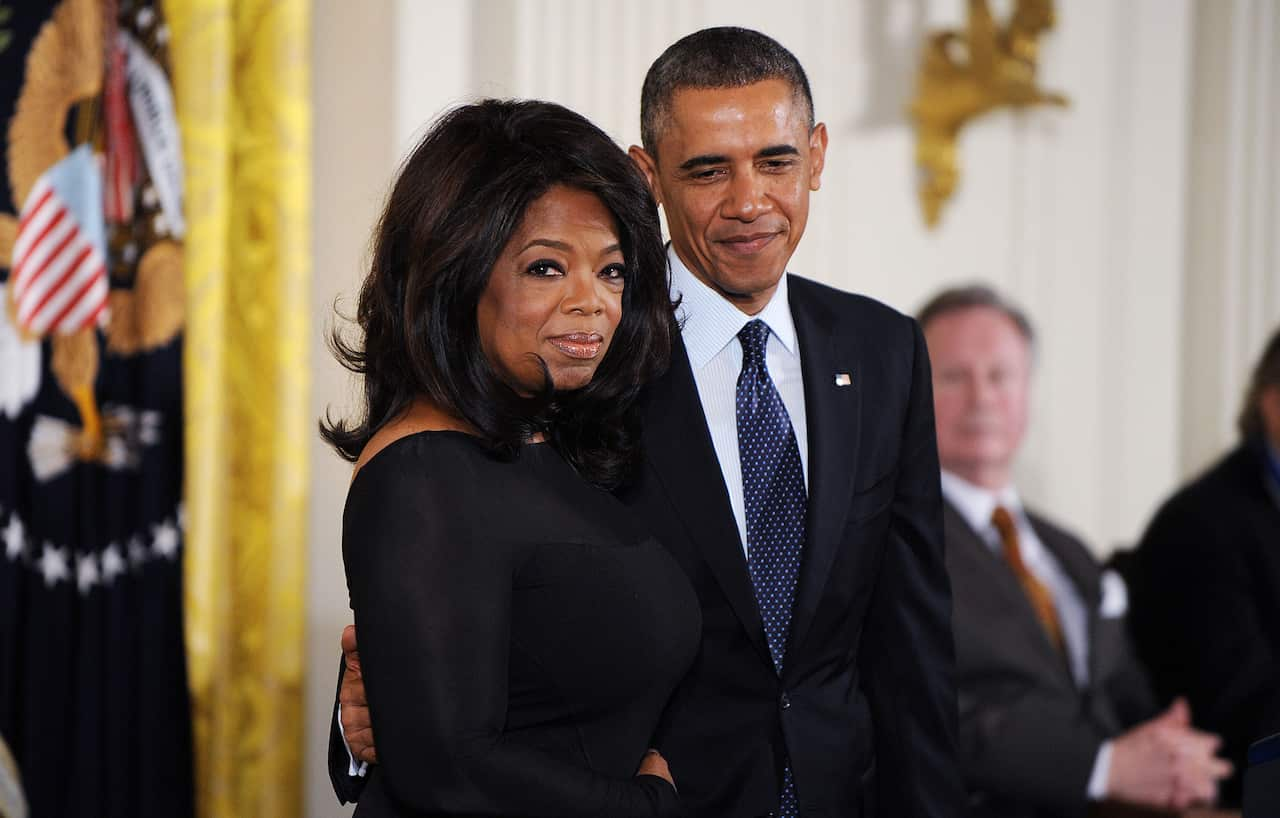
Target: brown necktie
[1041,597]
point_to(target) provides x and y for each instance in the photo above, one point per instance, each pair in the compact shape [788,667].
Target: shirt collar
[976,503]
[709,321]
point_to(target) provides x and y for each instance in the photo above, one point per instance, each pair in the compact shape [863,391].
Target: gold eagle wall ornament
[966,74]
[64,77]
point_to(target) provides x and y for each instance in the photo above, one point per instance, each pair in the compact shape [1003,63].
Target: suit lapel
[679,448]
[833,416]
[992,565]
[1251,470]
[1084,577]
[997,570]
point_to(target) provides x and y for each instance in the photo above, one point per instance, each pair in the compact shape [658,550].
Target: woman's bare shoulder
[421,416]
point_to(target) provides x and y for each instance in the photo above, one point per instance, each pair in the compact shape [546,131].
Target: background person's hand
[654,764]
[356,725]
[1166,763]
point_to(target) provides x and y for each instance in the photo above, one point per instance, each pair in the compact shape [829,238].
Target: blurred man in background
[1055,711]
[1206,583]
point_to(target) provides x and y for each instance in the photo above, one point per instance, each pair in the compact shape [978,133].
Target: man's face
[1269,405]
[981,379]
[733,173]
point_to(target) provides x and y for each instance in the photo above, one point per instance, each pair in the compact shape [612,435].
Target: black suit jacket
[1206,583]
[1028,735]
[865,708]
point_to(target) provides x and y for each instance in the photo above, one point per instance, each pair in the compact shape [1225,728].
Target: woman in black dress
[519,633]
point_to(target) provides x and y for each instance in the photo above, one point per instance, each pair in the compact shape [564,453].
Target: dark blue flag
[93,692]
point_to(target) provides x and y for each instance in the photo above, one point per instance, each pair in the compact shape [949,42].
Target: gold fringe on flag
[242,92]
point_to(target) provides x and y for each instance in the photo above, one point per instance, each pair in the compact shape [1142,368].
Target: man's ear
[817,154]
[649,167]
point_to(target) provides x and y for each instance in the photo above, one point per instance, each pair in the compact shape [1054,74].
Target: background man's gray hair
[1265,375]
[955,299]
[724,57]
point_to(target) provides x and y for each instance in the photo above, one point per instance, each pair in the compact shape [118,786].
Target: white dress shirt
[353,769]
[710,326]
[976,505]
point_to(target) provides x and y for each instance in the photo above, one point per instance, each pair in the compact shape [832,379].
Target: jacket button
[785,702]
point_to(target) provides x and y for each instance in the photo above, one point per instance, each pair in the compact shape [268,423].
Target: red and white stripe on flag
[59,275]
[121,150]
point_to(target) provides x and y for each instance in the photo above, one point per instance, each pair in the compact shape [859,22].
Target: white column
[433,51]
[1232,278]
[353,157]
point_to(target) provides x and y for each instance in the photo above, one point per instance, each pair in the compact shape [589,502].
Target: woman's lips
[581,345]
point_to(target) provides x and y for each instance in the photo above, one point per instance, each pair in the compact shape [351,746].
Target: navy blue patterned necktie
[774,491]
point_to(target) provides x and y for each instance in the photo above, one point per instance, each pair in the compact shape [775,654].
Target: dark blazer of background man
[863,710]
[1055,710]
[1206,583]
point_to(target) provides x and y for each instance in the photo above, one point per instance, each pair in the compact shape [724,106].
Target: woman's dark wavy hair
[458,199]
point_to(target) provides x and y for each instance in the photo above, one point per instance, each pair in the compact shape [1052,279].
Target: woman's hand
[654,764]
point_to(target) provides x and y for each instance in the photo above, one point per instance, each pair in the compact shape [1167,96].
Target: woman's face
[555,293]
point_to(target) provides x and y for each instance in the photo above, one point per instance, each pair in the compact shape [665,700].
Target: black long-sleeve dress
[519,636]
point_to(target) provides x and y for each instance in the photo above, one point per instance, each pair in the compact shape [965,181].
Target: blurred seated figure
[1262,778]
[1056,715]
[1206,579]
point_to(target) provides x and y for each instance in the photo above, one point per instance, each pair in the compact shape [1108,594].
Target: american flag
[59,273]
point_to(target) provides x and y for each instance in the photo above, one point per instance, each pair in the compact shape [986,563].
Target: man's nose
[747,199]
[983,391]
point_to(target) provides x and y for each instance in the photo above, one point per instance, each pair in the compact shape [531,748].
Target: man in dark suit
[790,468]
[1055,711]
[1206,583]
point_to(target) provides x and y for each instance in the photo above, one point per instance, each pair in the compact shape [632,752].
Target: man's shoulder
[1232,475]
[856,318]
[810,292]
[1062,540]
[1206,504]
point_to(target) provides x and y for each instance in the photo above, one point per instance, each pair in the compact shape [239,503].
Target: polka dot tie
[773,487]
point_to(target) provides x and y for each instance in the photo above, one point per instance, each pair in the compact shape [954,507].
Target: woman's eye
[614,272]
[543,269]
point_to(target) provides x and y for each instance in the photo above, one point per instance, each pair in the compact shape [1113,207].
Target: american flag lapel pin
[844,379]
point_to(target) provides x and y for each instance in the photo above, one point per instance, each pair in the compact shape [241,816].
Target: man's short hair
[1265,376]
[971,296]
[723,57]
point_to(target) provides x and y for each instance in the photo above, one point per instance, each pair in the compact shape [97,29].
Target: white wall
[1232,276]
[1138,227]
[353,156]
[1074,213]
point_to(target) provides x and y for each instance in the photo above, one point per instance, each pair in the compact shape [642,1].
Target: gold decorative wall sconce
[966,74]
